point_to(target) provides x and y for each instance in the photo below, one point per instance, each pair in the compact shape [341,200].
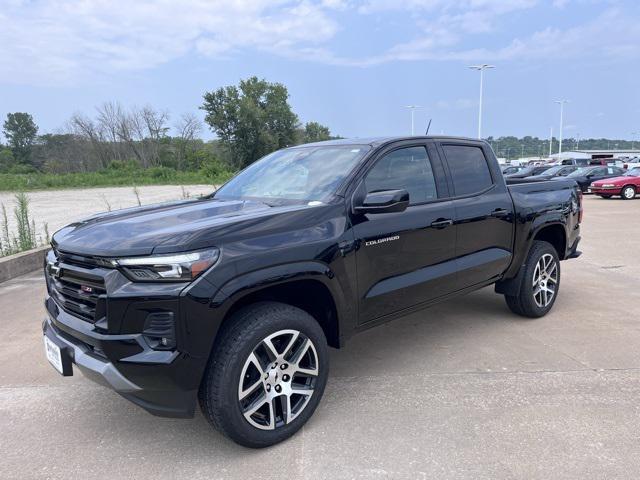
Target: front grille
[81,260]
[78,293]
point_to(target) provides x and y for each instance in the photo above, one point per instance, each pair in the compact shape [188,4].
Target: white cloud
[70,41]
[592,40]
[59,40]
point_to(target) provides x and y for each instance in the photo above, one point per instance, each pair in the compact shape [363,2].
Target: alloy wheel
[545,280]
[277,379]
[628,193]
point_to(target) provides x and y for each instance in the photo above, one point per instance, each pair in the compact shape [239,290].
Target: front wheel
[266,375]
[539,284]
[628,193]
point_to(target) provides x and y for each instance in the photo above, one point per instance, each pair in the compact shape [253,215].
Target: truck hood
[162,228]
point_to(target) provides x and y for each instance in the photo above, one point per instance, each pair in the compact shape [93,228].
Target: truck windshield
[304,174]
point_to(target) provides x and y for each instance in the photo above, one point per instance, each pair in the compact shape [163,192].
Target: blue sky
[351,65]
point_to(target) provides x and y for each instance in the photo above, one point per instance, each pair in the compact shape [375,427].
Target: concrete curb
[21,263]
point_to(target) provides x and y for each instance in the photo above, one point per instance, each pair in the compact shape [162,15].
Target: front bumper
[99,319]
[606,191]
[151,389]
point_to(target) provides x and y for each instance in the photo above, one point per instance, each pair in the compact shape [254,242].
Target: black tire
[524,303]
[628,192]
[606,197]
[248,328]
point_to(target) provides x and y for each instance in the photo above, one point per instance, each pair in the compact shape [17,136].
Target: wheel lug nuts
[268,387]
[283,366]
[278,388]
[285,378]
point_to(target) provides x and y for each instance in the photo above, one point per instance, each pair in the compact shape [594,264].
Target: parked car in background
[627,185]
[582,162]
[631,163]
[529,171]
[586,162]
[557,171]
[585,176]
[511,169]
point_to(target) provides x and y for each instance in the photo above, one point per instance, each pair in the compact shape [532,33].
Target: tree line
[249,120]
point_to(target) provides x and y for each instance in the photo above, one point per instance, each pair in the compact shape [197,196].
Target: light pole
[577,141]
[413,109]
[550,141]
[481,69]
[561,102]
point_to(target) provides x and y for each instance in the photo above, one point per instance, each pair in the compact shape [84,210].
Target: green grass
[107,178]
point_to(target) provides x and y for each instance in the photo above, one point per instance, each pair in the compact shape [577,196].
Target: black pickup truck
[233,299]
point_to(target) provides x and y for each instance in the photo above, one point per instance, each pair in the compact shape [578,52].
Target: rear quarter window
[469,169]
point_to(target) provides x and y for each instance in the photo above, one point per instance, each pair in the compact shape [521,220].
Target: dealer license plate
[54,355]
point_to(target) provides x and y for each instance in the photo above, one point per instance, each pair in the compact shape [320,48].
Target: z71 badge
[381,240]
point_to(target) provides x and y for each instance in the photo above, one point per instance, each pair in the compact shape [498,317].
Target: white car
[631,163]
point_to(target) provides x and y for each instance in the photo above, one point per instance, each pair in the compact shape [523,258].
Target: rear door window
[469,169]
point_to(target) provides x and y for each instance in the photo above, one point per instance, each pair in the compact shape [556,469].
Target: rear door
[405,258]
[484,214]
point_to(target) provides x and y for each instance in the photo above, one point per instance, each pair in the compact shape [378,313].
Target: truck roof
[376,141]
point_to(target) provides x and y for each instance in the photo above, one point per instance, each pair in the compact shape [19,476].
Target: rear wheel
[628,192]
[540,282]
[266,375]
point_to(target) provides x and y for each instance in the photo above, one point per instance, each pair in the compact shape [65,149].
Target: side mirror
[384,201]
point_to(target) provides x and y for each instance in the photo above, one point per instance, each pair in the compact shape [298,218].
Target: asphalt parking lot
[462,390]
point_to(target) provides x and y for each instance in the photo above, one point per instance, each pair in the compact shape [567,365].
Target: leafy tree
[20,131]
[315,132]
[251,119]
[6,159]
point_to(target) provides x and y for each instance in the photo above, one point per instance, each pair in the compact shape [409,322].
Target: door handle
[442,223]
[500,212]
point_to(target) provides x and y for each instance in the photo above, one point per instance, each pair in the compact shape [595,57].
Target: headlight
[181,267]
[607,185]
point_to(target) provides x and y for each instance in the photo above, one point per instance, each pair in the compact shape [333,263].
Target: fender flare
[251,282]
[510,286]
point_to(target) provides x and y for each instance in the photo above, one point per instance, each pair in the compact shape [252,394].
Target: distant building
[594,154]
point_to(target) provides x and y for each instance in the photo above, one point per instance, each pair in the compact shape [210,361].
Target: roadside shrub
[163,173]
[6,159]
[24,237]
[212,169]
[120,165]
[20,168]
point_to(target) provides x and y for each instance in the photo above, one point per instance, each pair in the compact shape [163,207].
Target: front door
[405,258]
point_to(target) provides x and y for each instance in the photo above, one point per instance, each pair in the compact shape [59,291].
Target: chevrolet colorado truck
[232,300]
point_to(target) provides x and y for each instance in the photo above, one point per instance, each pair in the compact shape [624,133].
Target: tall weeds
[24,236]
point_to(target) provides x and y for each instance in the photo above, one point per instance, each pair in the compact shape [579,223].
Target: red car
[627,186]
